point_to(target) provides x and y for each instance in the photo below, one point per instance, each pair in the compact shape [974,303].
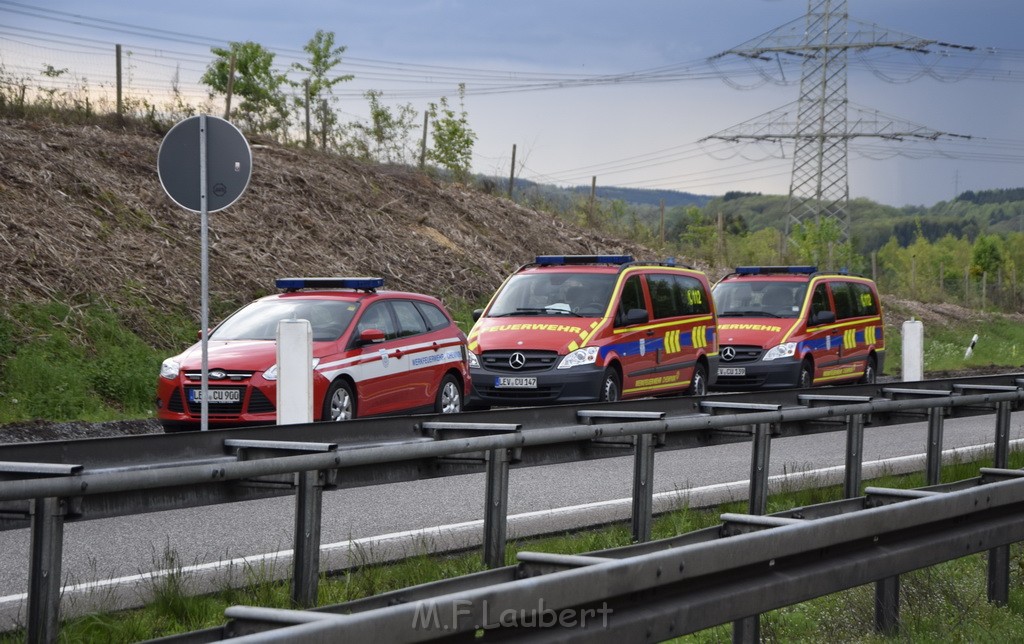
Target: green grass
[1000,344]
[944,603]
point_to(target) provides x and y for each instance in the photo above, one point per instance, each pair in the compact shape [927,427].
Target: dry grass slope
[83,217]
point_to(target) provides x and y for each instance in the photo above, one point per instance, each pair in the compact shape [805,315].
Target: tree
[452,137]
[318,85]
[264,107]
[386,138]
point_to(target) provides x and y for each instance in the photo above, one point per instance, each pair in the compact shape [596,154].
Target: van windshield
[555,293]
[759,298]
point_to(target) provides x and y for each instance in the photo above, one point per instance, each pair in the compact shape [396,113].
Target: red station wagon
[374,353]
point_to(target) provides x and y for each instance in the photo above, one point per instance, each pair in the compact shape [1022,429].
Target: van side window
[632,298]
[819,301]
[677,295]
[864,302]
[843,297]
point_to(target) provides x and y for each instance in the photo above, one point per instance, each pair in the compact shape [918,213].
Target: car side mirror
[823,317]
[477,313]
[370,336]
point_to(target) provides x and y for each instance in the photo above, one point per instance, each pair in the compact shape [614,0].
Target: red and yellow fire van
[582,328]
[793,326]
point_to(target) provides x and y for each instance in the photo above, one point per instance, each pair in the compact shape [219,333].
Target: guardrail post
[999,558]
[306,560]
[887,605]
[643,487]
[47,542]
[759,468]
[933,469]
[496,508]
[854,455]
[748,629]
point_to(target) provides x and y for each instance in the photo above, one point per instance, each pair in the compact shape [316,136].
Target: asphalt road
[127,546]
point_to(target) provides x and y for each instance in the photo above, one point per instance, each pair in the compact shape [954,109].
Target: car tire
[699,381]
[806,377]
[870,371]
[340,402]
[611,388]
[449,396]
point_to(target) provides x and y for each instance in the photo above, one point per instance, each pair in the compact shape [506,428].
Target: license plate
[732,371]
[506,382]
[216,396]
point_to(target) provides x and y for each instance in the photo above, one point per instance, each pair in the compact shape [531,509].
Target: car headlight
[578,358]
[169,369]
[271,373]
[473,360]
[787,350]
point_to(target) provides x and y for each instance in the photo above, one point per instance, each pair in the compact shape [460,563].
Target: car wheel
[449,396]
[806,378]
[610,387]
[340,403]
[870,372]
[699,381]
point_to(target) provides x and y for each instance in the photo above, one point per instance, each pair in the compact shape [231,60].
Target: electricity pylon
[819,123]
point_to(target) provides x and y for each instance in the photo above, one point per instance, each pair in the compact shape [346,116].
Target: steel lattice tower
[820,123]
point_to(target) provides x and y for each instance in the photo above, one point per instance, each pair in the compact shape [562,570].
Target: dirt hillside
[84,218]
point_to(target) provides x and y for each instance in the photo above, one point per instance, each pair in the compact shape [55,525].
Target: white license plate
[732,371]
[506,382]
[216,396]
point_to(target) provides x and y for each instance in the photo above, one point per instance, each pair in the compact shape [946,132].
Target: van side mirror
[823,317]
[477,313]
[636,316]
[370,336]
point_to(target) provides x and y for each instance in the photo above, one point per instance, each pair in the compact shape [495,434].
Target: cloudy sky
[623,92]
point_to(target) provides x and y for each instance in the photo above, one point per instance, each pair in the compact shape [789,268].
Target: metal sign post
[224,167]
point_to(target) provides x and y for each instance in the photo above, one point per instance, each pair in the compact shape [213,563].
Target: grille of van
[532,361]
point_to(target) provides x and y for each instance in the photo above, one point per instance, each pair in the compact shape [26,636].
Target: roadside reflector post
[294,372]
[913,351]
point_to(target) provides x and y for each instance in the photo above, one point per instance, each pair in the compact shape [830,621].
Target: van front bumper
[775,374]
[562,386]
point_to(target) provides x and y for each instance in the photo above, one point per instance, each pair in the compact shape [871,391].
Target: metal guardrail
[45,485]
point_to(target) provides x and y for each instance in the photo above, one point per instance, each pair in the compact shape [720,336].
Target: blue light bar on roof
[357,283]
[566,260]
[765,270]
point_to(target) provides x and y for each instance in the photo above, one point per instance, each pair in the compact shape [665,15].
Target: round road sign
[228,163]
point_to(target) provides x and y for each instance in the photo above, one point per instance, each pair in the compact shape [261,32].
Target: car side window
[378,316]
[435,318]
[410,322]
[632,298]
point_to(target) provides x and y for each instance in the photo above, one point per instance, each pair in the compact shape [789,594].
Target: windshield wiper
[546,310]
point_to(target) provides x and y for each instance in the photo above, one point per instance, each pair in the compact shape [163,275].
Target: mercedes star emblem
[517,360]
[728,353]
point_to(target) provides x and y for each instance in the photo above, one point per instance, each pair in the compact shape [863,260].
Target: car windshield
[258,321]
[759,298]
[555,293]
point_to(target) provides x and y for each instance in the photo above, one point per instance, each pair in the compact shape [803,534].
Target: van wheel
[610,387]
[339,404]
[449,396]
[699,381]
[870,372]
[806,378]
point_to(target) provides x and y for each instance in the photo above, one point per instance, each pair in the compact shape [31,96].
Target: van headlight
[787,350]
[474,362]
[578,358]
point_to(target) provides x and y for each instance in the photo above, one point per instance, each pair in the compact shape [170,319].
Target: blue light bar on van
[566,260]
[357,283]
[764,270]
